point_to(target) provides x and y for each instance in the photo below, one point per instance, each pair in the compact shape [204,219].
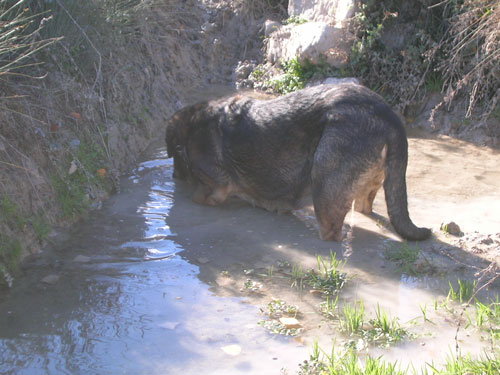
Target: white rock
[270,27]
[312,41]
[81,259]
[50,279]
[232,350]
[329,11]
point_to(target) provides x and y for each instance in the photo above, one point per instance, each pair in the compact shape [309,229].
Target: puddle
[155,284]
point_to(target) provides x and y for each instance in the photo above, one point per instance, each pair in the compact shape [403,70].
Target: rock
[81,259]
[451,228]
[244,69]
[337,81]
[72,168]
[328,11]
[203,260]
[311,41]
[50,279]
[270,27]
[232,350]
[290,322]
[169,325]
[208,27]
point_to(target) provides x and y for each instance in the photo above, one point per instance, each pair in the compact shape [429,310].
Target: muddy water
[154,284]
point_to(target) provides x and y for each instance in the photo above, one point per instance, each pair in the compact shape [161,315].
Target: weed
[353,317]
[329,278]
[464,291]
[405,256]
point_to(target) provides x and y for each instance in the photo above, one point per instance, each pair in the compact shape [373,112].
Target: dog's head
[183,128]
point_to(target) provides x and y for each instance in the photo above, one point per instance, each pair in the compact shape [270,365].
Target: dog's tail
[395,188]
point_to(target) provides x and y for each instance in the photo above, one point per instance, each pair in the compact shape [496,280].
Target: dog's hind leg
[332,185]
[368,183]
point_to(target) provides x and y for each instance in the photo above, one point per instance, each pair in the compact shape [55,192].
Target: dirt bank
[75,121]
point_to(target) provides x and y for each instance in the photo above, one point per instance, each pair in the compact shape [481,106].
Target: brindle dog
[338,143]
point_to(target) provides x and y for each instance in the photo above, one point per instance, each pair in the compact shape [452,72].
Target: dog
[337,143]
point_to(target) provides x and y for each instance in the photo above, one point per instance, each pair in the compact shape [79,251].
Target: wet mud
[155,284]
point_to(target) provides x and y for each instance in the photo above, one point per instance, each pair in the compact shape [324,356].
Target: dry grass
[472,51]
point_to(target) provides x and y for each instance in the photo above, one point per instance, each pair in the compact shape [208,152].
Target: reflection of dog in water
[338,143]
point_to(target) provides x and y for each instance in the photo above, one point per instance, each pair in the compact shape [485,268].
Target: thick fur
[338,143]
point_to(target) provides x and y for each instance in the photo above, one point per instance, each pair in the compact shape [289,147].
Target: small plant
[424,313]
[353,317]
[296,20]
[434,82]
[464,291]
[252,286]
[277,309]
[298,276]
[296,74]
[329,278]
[292,78]
[277,328]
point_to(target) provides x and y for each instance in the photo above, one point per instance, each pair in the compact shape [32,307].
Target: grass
[329,278]
[384,329]
[10,255]
[10,213]
[329,307]
[464,291]
[405,256]
[349,363]
[73,189]
[41,227]
[434,82]
[353,318]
